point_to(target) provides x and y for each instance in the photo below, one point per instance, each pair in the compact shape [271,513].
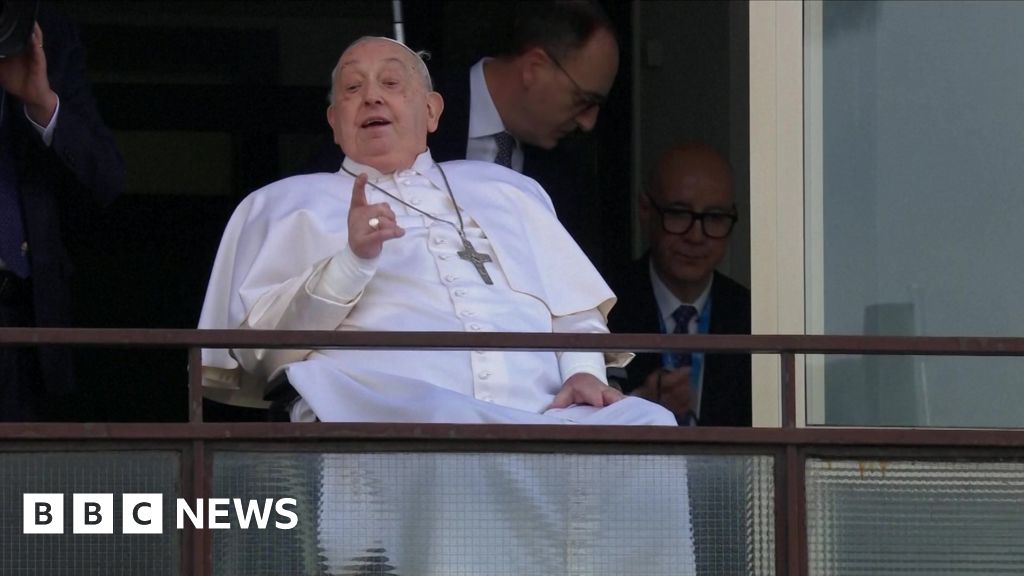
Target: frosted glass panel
[921,126]
[458,514]
[88,472]
[884,517]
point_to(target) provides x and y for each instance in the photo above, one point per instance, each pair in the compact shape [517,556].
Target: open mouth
[375,122]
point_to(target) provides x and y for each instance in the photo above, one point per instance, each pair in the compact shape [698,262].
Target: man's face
[381,111]
[567,95]
[696,181]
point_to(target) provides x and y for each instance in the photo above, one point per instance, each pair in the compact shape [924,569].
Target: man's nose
[371,93]
[588,118]
[695,235]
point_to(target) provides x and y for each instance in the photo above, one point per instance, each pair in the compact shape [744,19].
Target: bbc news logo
[144,513]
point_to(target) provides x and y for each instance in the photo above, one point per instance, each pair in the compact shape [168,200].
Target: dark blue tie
[683,315]
[12,231]
[506,144]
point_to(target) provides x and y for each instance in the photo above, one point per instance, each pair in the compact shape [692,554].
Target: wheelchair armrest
[281,394]
[279,391]
[616,377]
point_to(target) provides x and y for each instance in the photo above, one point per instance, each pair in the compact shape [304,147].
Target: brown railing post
[200,539]
[794,533]
[788,382]
[796,509]
[195,385]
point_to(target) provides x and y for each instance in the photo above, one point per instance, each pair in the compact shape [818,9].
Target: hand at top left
[24,76]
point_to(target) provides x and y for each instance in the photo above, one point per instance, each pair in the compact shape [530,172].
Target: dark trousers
[20,381]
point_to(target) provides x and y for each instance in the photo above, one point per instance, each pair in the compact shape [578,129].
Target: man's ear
[334,129]
[532,65]
[644,208]
[330,115]
[435,105]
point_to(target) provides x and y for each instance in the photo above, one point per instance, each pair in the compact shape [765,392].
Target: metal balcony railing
[818,477]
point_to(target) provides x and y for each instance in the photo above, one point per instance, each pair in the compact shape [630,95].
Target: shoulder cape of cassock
[284,229]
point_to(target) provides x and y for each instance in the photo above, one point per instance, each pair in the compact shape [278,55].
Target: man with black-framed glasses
[688,212]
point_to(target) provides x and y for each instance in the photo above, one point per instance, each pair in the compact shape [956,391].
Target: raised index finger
[359,192]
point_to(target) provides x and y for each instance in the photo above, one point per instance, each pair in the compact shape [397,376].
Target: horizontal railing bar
[768,344]
[539,434]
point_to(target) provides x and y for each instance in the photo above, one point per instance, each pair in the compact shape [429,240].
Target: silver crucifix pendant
[477,259]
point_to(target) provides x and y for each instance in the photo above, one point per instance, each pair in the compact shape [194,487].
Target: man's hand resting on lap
[586,389]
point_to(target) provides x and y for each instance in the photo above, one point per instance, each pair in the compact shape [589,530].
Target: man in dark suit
[688,212]
[549,82]
[56,156]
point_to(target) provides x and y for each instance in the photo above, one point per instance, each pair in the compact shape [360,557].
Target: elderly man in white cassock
[396,241]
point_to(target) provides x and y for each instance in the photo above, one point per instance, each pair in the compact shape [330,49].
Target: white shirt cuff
[46,133]
[344,277]
[570,362]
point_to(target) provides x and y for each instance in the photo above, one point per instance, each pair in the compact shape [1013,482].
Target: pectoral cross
[477,259]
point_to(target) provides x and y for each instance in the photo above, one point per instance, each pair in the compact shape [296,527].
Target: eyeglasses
[679,220]
[585,99]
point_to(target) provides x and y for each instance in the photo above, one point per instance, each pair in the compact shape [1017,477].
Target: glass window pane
[920,131]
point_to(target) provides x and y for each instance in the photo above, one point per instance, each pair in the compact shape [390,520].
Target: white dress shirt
[485,122]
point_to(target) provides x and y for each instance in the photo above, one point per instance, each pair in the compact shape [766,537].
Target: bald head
[690,165]
[688,211]
[417,60]
[382,109]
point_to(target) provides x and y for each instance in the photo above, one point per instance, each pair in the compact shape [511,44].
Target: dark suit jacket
[726,399]
[82,165]
[566,173]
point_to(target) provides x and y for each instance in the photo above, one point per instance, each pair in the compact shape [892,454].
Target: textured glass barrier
[103,472]
[733,510]
[501,513]
[884,517]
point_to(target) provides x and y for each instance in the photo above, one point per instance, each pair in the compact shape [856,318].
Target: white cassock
[284,264]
